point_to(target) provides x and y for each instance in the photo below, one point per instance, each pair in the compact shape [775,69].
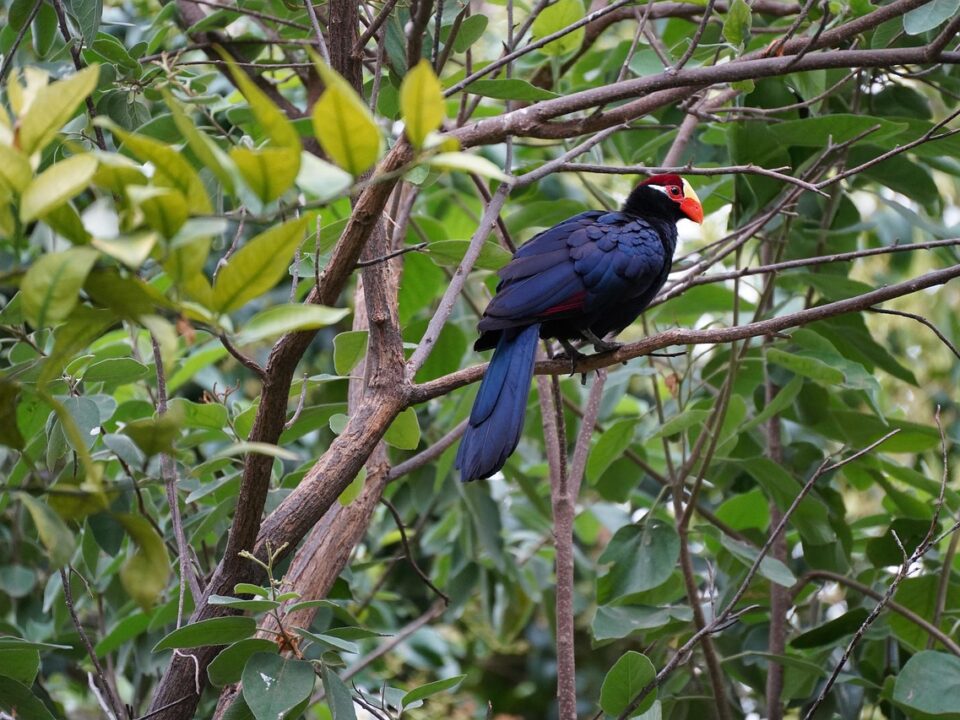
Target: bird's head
[668,195]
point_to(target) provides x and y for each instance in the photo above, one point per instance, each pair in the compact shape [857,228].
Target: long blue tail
[496,420]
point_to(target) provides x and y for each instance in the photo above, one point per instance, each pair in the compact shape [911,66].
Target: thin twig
[396,253]
[12,51]
[409,553]
[318,32]
[923,321]
[115,704]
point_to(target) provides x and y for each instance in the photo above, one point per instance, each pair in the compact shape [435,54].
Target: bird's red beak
[690,205]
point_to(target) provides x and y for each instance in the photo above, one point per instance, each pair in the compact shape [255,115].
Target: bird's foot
[572,354]
[600,345]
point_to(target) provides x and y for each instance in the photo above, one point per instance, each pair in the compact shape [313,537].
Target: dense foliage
[226,459]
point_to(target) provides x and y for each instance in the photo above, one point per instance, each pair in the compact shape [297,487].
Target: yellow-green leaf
[344,125]
[15,172]
[556,17]
[54,534]
[404,431]
[51,287]
[274,123]
[465,162]
[257,266]
[115,172]
[56,185]
[421,103]
[52,106]
[164,209]
[203,146]
[189,249]
[131,250]
[282,319]
[172,169]
[144,576]
[353,489]
[66,222]
[269,172]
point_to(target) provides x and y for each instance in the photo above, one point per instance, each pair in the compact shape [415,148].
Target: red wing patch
[574,302]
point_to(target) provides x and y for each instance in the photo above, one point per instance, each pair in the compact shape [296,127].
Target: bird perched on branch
[587,277]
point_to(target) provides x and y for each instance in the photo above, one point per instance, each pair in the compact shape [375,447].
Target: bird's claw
[604,346]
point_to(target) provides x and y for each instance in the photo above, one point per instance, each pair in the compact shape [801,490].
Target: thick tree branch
[681,336]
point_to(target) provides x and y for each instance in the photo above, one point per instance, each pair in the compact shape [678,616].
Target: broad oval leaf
[556,17]
[54,533]
[421,103]
[274,685]
[51,288]
[56,185]
[227,666]
[425,691]
[468,163]
[144,575]
[216,631]
[344,125]
[52,106]
[930,684]
[624,682]
[257,266]
[281,319]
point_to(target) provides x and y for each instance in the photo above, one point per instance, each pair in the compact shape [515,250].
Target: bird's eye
[674,190]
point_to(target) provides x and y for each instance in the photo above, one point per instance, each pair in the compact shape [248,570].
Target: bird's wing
[540,276]
[625,255]
[582,265]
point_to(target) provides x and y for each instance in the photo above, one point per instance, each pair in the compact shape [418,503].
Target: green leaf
[471,30]
[82,327]
[56,185]
[281,319]
[155,435]
[404,431]
[227,667]
[54,534]
[171,167]
[810,518]
[832,632]
[132,250]
[241,604]
[612,444]
[144,576]
[259,448]
[770,568]
[806,365]
[338,695]
[257,266]
[274,685]
[217,631]
[10,434]
[202,145]
[556,17]
[451,252]
[348,349]
[930,684]
[425,691]
[164,209]
[21,664]
[642,557]
[15,171]
[510,89]
[736,26]
[624,681]
[116,370]
[929,15]
[816,131]
[17,701]
[87,14]
[51,287]
[269,172]
[52,106]
[421,103]
[210,415]
[322,180]
[468,163]
[344,125]
[352,490]
[613,622]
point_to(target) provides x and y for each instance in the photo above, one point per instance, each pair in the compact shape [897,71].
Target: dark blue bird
[587,277]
